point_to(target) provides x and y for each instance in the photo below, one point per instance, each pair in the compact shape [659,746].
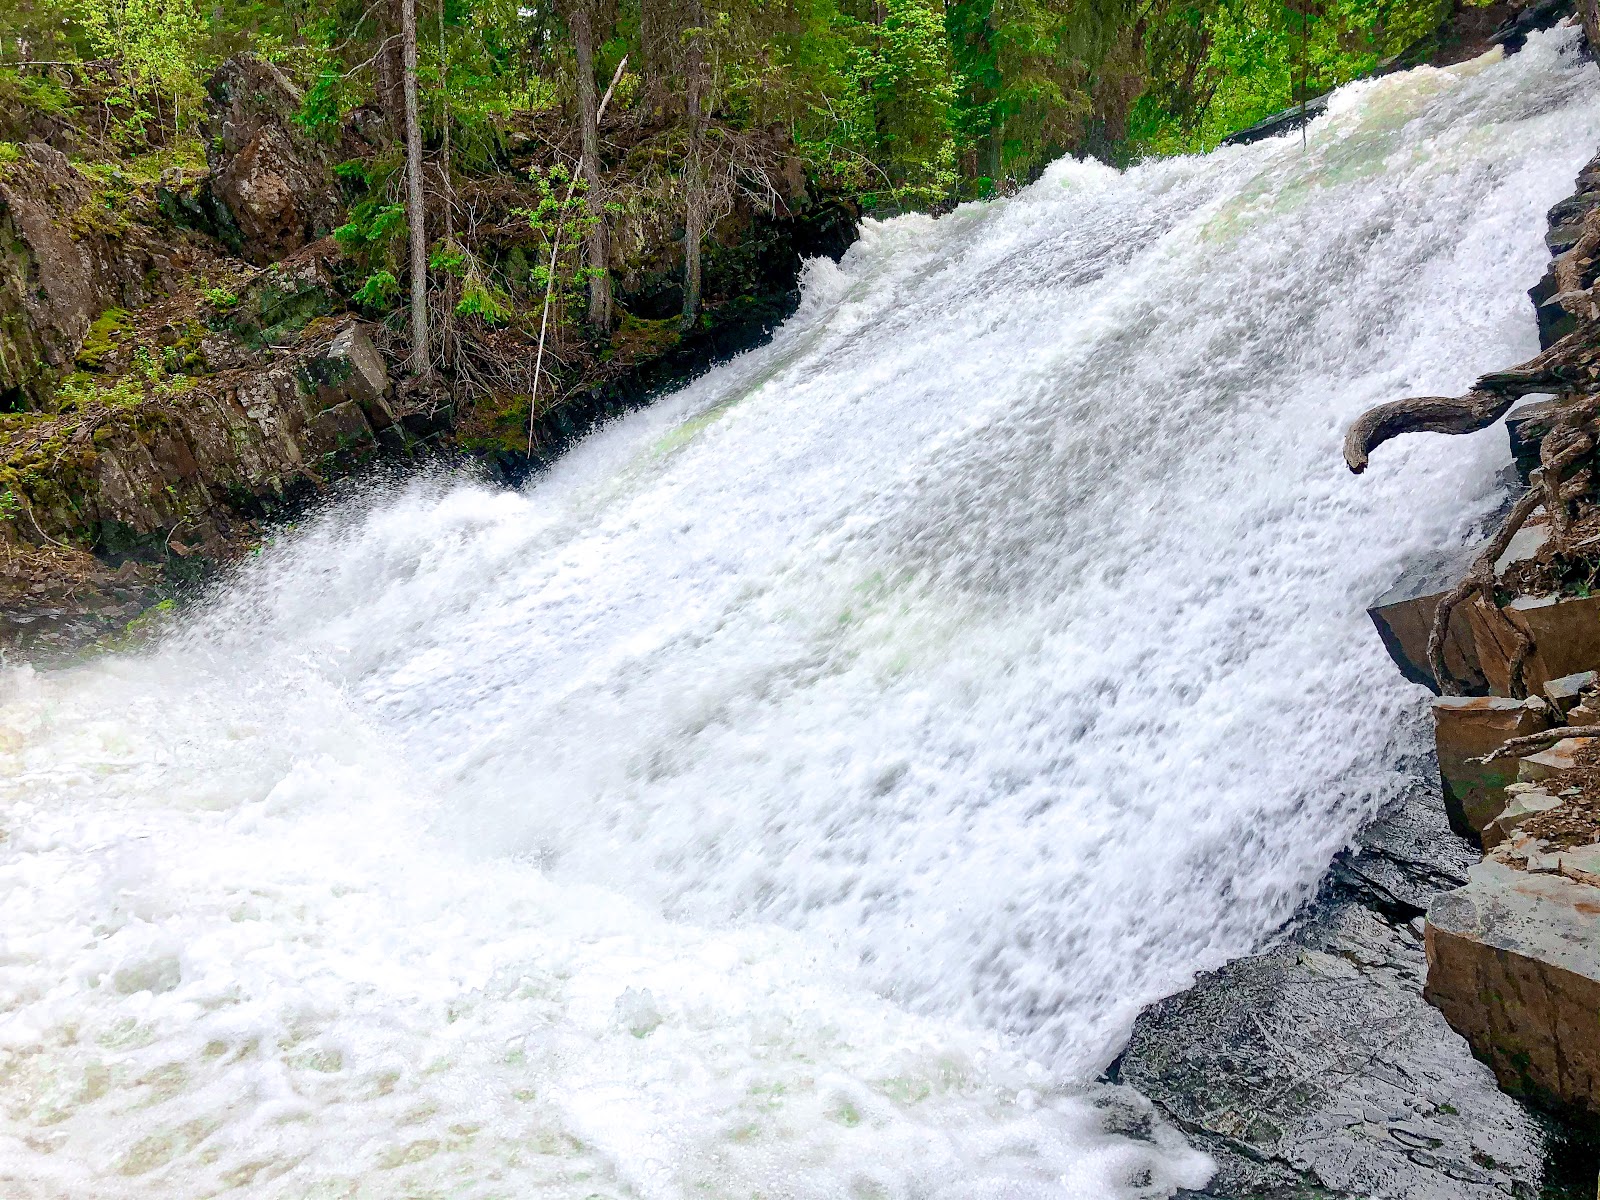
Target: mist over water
[798,790]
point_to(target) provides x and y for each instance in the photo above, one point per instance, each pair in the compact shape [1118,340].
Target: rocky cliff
[187,354]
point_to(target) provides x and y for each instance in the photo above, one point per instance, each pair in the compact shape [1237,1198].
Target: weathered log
[1572,364]
[1476,410]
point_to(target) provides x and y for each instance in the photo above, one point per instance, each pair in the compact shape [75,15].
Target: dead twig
[1517,746]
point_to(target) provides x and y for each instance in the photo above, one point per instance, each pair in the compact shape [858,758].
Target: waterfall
[799,789]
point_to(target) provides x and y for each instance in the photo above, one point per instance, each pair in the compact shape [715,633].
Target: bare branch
[1518,746]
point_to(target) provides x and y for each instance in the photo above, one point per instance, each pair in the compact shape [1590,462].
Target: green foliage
[378,293]
[480,299]
[220,298]
[154,40]
[325,103]
[373,224]
[1252,58]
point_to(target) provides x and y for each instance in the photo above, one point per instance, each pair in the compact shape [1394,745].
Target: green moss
[103,337]
[637,338]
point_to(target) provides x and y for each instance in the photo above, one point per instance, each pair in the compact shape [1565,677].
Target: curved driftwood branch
[1538,741]
[1476,410]
[1570,365]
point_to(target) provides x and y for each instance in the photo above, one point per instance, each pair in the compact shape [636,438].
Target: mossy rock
[103,338]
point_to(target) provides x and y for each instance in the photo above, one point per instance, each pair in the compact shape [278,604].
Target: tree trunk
[416,213]
[594,241]
[695,103]
[446,339]
[656,55]
[390,66]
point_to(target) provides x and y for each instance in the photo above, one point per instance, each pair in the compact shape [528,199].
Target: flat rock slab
[1320,1066]
[1404,616]
[1514,965]
[1318,1070]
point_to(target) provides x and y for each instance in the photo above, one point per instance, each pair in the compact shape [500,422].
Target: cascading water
[796,792]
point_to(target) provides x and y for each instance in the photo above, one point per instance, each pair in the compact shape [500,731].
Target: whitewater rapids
[797,791]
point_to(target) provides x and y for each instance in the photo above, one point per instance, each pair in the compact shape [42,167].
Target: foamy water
[798,791]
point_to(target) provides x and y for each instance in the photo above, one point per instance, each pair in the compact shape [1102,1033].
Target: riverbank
[190,353]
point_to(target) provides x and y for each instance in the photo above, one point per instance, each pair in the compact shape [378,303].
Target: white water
[799,790]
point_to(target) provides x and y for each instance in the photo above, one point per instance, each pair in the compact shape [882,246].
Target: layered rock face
[65,258]
[1515,966]
[1514,954]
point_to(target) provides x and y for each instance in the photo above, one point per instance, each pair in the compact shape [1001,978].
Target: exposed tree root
[1473,585]
[1480,579]
[1572,364]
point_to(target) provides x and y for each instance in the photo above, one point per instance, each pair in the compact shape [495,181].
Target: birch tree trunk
[594,241]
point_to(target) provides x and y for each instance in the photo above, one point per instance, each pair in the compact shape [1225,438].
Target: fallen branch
[1476,410]
[1538,741]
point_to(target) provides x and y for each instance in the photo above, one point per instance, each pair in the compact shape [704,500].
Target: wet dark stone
[1316,1069]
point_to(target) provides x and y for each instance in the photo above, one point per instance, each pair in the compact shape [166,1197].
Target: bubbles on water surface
[799,790]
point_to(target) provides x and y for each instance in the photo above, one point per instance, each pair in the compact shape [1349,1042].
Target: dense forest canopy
[533,199]
[909,103]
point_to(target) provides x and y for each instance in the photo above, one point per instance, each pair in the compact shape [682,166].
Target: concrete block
[1465,729]
[1514,966]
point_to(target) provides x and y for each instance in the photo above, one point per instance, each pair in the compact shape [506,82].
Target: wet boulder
[1316,1069]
